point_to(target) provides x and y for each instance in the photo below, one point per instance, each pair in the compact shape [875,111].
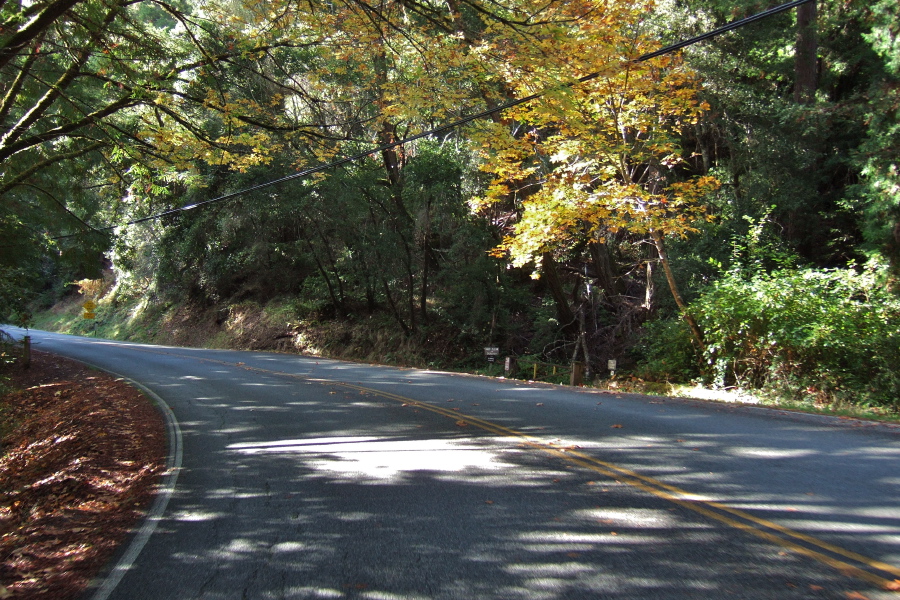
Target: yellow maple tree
[598,151]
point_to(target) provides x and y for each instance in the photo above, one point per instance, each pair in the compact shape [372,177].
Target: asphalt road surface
[300,477]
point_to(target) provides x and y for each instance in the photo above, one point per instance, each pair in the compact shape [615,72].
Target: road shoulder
[82,454]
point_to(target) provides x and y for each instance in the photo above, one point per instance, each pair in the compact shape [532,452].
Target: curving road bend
[312,478]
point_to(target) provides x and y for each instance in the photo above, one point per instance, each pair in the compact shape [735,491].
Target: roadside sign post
[491,353]
[89,308]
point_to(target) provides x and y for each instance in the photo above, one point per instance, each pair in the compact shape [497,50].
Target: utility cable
[455,124]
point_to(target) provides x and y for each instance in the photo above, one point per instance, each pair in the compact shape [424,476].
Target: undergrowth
[798,340]
[824,339]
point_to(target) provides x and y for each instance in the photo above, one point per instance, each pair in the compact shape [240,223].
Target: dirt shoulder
[80,455]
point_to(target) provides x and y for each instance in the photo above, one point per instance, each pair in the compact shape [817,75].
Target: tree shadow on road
[289,501]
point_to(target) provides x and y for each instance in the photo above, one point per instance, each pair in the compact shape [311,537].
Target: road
[309,478]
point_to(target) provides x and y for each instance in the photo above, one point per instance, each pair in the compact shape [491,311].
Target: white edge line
[164,493]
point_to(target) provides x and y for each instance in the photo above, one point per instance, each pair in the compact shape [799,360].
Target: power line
[455,124]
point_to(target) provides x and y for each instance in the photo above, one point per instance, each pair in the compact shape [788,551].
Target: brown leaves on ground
[81,452]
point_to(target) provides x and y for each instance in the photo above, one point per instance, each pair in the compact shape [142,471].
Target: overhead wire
[452,125]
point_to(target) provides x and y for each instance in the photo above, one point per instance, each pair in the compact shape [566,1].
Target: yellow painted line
[660,489]
[683,498]
[875,564]
[701,507]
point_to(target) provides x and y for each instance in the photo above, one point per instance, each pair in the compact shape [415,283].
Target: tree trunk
[426,259]
[582,339]
[394,310]
[673,286]
[605,273]
[806,63]
[564,313]
[338,303]
[393,158]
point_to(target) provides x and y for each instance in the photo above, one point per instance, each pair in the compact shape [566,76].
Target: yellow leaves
[587,157]
[249,149]
[563,212]
[686,193]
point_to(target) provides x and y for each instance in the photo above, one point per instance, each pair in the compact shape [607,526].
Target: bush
[827,335]
[665,352]
[8,350]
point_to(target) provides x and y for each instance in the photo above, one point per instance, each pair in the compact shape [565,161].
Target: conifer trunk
[806,61]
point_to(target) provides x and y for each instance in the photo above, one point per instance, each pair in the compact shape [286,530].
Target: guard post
[577,377]
[509,365]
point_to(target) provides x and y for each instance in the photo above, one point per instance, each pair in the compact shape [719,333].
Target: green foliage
[798,163]
[9,352]
[345,244]
[759,249]
[17,257]
[885,33]
[829,335]
[23,270]
[117,112]
[11,296]
[665,352]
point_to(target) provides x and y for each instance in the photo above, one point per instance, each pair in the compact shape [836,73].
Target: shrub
[826,335]
[665,352]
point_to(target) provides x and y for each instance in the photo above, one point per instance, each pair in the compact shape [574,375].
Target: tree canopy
[548,228]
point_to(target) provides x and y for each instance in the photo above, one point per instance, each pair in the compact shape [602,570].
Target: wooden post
[577,378]
[26,353]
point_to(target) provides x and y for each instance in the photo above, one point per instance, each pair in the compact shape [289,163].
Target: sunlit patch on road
[381,457]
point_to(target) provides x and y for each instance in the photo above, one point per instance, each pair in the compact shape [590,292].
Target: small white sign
[611,364]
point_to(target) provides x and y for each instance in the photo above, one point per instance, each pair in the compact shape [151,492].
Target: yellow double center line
[881,574]
[785,537]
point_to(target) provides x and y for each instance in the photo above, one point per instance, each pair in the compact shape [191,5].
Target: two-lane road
[312,478]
